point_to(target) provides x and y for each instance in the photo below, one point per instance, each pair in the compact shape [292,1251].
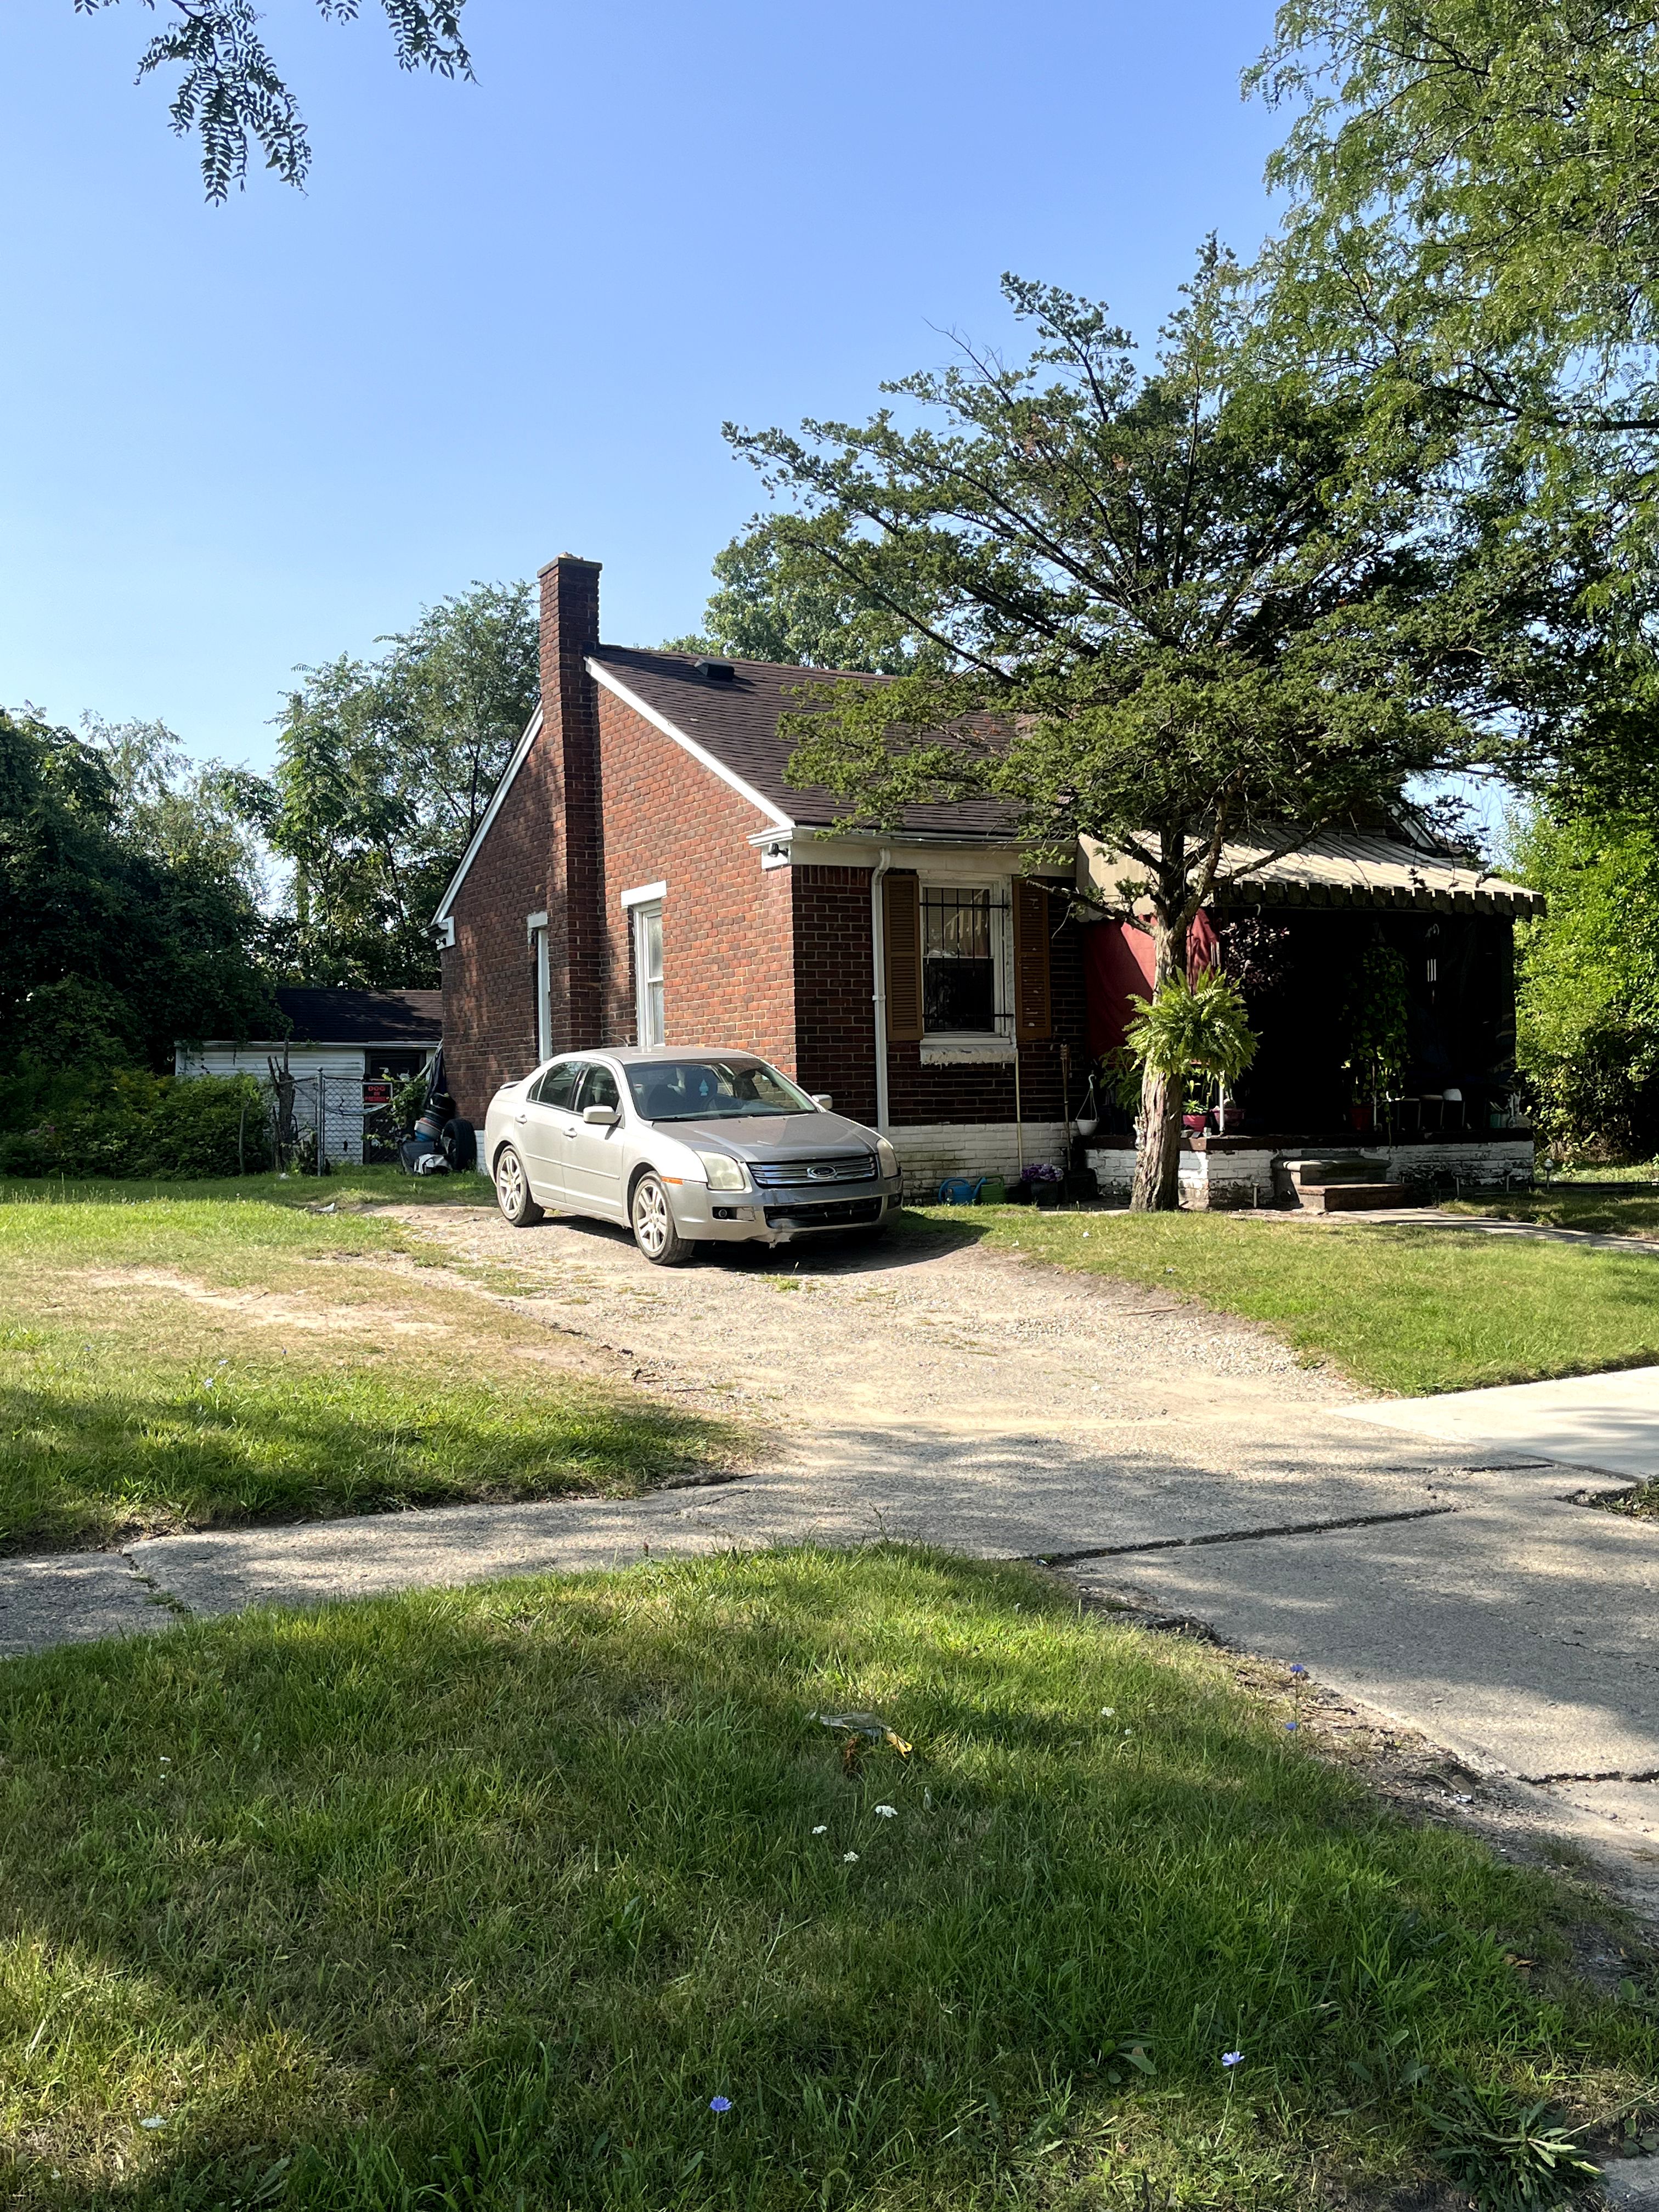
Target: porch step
[1336,1167]
[1349,1197]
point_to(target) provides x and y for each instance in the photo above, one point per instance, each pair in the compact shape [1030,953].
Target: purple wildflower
[719,2103]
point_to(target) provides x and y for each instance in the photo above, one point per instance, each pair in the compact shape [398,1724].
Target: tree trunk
[1158,1156]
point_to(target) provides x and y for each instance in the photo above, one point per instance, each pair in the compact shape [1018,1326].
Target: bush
[129,1123]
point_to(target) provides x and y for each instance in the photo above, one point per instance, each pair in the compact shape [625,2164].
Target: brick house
[645,874]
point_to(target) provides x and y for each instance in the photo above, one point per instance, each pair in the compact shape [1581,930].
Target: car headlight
[724,1172]
[886,1156]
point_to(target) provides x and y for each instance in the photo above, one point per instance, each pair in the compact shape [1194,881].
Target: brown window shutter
[1032,1017]
[902,910]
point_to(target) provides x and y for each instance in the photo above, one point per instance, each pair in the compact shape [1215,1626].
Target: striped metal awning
[1334,869]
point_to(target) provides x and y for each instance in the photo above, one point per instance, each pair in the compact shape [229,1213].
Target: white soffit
[601,674]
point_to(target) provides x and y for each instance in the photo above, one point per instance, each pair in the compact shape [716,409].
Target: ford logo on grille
[820,1174]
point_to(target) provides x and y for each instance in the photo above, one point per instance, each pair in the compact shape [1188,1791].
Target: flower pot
[1086,1124]
[1046,1196]
[1193,1122]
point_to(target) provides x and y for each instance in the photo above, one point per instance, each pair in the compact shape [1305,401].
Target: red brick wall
[727,976]
[835,1019]
[834,989]
[489,972]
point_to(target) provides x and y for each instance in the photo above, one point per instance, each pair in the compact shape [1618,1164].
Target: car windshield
[713,1090]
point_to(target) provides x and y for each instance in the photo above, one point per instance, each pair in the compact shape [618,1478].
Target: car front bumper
[773,1216]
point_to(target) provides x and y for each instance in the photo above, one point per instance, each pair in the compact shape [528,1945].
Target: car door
[539,1127]
[593,1157]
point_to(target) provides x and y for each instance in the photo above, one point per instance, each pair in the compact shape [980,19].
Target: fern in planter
[1194,1028]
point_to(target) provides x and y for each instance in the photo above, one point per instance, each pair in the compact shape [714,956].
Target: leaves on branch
[231,93]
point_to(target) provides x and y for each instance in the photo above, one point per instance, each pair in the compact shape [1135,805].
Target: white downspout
[878,941]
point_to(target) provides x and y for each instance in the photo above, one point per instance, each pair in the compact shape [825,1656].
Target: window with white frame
[965,965]
[647,974]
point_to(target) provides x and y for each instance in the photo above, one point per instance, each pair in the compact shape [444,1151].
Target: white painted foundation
[929,1153]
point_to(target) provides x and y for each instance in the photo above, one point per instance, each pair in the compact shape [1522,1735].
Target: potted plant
[1195,1030]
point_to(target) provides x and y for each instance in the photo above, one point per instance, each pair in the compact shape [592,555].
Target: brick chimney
[575,937]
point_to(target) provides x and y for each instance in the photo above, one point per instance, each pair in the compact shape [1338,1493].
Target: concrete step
[1350,1197]
[1338,1167]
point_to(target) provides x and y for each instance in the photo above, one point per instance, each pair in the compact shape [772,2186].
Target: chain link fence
[339,1119]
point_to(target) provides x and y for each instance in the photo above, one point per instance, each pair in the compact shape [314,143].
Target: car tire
[460,1143]
[654,1229]
[518,1209]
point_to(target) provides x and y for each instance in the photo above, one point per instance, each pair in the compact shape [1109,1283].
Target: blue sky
[507,318]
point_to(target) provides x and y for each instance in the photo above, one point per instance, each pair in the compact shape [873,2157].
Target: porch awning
[1334,869]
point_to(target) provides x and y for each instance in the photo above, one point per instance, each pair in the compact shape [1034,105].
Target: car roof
[633,1055]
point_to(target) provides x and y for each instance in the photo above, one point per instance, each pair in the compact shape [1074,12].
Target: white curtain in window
[647,974]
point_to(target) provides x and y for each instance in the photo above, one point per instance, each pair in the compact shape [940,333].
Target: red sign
[377,1094]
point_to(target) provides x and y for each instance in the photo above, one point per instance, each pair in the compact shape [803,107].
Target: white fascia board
[644,895]
[532,729]
[601,674]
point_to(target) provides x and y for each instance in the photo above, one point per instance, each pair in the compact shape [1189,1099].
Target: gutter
[878,950]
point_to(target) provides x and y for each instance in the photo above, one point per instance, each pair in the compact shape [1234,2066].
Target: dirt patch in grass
[191,1364]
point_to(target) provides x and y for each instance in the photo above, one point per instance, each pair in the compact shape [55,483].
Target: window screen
[958,965]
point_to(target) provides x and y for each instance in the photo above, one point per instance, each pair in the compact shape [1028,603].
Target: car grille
[779,1174]
[838,1213]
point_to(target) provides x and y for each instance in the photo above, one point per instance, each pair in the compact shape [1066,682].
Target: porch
[1227,1173]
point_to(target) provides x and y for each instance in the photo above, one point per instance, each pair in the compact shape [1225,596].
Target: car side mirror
[598,1117]
[823,1101]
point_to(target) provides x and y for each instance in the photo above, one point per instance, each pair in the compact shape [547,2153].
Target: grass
[477,1899]
[1402,1309]
[172,1358]
[1608,1213]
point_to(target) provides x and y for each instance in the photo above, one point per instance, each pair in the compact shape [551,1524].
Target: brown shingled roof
[738,724]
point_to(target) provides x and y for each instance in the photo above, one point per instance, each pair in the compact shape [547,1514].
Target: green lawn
[1402,1309]
[478,1899]
[191,1356]
[1609,1214]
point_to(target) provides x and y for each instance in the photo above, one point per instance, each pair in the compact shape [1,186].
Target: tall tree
[384,769]
[780,595]
[120,940]
[231,92]
[1471,215]
[1183,608]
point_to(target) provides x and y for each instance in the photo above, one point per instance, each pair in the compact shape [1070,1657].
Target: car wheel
[512,1190]
[654,1231]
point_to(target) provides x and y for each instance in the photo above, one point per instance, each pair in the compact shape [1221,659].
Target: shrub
[131,1123]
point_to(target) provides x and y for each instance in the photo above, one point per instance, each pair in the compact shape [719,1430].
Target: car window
[598,1088]
[557,1087]
[713,1090]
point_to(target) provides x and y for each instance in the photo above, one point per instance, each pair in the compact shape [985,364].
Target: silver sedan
[687,1148]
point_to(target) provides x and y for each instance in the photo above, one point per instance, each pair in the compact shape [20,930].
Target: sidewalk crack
[157,1594]
[1242,1536]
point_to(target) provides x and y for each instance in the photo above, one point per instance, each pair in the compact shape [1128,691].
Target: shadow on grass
[84,1465]
[479,1899]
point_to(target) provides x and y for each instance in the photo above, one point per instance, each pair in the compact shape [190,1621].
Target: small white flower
[888,1812]
[154,2121]
[849,1858]
[1128,1731]
[823,1829]
[1106,1711]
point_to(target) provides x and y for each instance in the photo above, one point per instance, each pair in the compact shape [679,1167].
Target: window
[647,974]
[558,1086]
[713,1090]
[958,961]
[598,1088]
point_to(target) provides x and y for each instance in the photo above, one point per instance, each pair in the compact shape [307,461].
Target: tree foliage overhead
[1472,217]
[384,769]
[1177,607]
[231,93]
